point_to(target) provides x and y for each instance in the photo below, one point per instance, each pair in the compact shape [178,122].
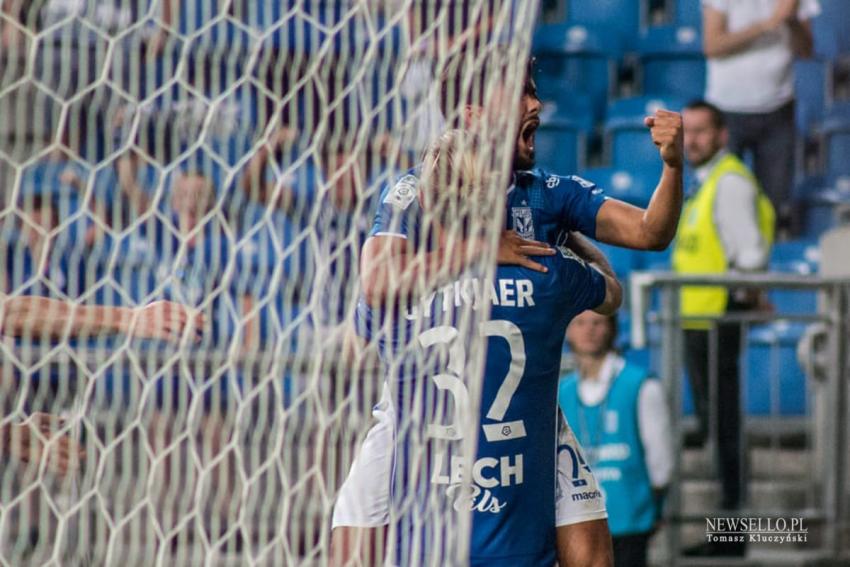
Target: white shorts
[363,499]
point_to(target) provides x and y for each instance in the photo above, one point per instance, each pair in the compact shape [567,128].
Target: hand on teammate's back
[515,250]
[166,320]
[668,134]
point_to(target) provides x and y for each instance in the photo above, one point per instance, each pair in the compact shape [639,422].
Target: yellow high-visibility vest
[698,248]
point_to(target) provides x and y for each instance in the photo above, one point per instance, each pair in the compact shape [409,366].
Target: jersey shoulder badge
[403,192]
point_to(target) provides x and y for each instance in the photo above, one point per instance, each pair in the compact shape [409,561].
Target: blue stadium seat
[239,120]
[559,147]
[580,56]
[689,13]
[811,77]
[561,103]
[634,187]
[775,384]
[836,130]
[794,257]
[627,139]
[218,57]
[672,63]
[800,256]
[622,16]
[830,29]
[823,197]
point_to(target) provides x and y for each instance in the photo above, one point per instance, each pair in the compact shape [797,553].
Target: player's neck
[589,365]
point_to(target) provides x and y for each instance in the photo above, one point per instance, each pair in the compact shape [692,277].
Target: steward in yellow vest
[698,248]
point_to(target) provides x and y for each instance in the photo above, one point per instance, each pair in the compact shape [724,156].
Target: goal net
[186,186]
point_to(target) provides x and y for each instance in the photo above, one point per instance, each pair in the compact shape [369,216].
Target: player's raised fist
[667,133]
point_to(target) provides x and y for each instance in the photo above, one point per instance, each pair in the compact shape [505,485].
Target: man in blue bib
[620,416]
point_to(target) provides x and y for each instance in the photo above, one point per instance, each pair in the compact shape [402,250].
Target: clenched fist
[667,133]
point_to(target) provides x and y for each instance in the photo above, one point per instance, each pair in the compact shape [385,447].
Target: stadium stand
[117,227]
[812,84]
[627,24]
[836,130]
[671,62]
[583,57]
[774,383]
[625,132]
[560,146]
[829,29]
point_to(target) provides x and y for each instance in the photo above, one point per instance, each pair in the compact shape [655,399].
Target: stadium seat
[627,139]
[563,104]
[836,130]
[239,120]
[811,79]
[622,16]
[580,56]
[800,256]
[774,383]
[218,56]
[794,257]
[672,63]
[823,199]
[560,147]
[689,13]
[830,29]
[634,187]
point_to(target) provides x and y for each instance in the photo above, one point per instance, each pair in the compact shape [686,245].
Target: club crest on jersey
[523,222]
[403,193]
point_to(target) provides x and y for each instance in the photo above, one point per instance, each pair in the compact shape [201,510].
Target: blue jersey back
[519,405]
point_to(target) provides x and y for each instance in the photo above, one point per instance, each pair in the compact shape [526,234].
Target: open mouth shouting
[527,132]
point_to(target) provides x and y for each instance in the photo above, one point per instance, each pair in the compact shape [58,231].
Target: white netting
[161,159]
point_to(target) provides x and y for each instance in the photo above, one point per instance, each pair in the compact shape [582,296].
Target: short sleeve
[398,205]
[587,285]
[579,201]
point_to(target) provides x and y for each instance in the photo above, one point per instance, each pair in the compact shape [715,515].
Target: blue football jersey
[540,206]
[513,477]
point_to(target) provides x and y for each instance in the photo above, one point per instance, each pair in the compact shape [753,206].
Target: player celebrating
[530,313]
[543,206]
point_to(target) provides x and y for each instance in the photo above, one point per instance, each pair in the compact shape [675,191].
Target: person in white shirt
[750,46]
[620,416]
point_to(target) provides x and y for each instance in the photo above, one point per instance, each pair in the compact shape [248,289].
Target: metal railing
[656,323]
